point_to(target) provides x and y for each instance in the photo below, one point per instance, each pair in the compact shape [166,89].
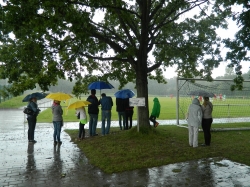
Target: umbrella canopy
[78,104]
[59,96]
[125,93]
[201,93]
[37,95]
[99,85]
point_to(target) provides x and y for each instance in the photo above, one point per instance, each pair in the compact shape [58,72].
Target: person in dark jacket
[107,104]
[57,112]
[129,111]
[155,112]
[32,119]
[207,120]
[93,112]
[120,108]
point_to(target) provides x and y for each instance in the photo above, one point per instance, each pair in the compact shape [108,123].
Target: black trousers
[32,127]
[129,116]
[81,131]
[206,126]
[153,119]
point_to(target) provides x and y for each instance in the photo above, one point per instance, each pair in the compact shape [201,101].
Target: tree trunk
[142,91]
[141,68]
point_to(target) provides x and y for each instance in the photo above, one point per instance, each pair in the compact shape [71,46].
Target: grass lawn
[229,107]
[129,150]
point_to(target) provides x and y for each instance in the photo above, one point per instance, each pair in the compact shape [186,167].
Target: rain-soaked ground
[41,164]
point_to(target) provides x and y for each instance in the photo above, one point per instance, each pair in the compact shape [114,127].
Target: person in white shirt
[81,114]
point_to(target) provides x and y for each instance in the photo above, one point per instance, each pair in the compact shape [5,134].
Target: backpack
[28,111]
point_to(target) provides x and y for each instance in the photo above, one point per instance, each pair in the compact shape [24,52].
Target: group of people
[57,112]
[125,115]
[199,115]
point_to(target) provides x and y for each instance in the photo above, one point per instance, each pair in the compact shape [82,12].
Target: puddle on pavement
[25,163]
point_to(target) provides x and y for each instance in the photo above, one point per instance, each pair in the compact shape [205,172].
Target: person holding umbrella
[32,119]
[122,102]
[207,109]
[57,112]
[129,111]
[93,112]
[107,104]
[83,120]
[120,108]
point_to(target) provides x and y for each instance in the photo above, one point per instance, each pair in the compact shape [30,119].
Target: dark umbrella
[125,93]
[99,85]
[201,93]
[37,95]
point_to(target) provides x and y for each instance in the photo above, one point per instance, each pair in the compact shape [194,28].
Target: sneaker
[60,143]
[55,142]
[32,141]
[156,124]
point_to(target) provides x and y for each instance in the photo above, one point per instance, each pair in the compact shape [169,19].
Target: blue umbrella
[99,85]
[37,95]
[123,94]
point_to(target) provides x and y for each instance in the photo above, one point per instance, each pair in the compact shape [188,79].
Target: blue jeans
[93,118]
[106,114]
[32,126]
[57,130]
[122,118]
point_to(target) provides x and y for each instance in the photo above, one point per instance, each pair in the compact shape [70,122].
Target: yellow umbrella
[59,96]
[78,104]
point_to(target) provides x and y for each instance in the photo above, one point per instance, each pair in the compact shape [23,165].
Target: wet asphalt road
[42,164]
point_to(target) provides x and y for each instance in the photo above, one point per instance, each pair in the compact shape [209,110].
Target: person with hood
[194,118]
[155,112]
[83,120]
[57,112]
[207,109]
[32,119]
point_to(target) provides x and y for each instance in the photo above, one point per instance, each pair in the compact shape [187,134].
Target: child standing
[155,112]
[83,120]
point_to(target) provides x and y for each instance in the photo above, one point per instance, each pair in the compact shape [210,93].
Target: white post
[177,101]
[138,128]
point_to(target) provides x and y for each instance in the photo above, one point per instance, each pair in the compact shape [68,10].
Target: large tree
[239,46]
[43,40]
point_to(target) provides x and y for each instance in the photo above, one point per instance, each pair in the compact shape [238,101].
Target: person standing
[194,118]
[120,108]
[57,112]
[93,112]
[32,119]
[207,109]
[106,103]
[83,120]
[155,112]
[129,111]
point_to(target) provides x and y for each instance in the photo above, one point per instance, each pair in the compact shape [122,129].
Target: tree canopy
[89,40]
[240,45]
